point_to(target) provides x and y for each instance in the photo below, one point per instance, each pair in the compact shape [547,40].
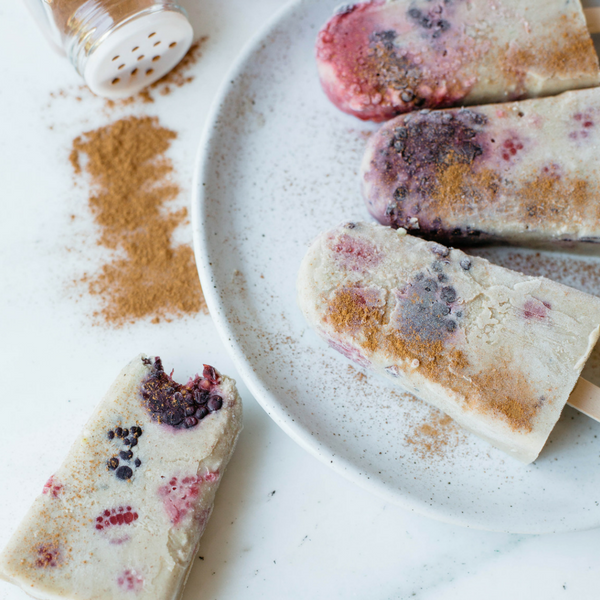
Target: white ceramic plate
[278,164]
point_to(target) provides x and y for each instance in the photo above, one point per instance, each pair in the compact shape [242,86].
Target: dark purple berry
[111,435]
[448,294]
[178,397]
[200,397]
[124,473]
[133,442]
[127,441]
[125,432]
[465,263]
[190,410]
[210,374]
[451,326]
[113,463]
[201,413]
[119,432]
[136,431]
[215,403]
[174,417]
[137,462]
[190,422]
[126,454]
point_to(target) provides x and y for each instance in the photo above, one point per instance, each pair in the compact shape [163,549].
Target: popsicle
[522,172]
[386,57]
[123,516]
[497,351]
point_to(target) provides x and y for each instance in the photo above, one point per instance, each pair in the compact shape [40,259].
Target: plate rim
[265,398]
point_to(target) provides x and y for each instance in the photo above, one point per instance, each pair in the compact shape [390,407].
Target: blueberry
[136,431]
[465,263]
[201,413]
[126,454]
[125,433]
[440,310]
[113,463]
[133,442]
[178,397]
[442,278]
[190,410]
[111,435]
[201,397]
[127,441]
[448,294]
[190,422]
[119,432]
[174,417]
[215,403]
[137,462]
[451,326]
[124,473]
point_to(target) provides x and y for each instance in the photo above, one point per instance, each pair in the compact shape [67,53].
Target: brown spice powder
[434,438]
[509,397]
[148,277]
[572,51]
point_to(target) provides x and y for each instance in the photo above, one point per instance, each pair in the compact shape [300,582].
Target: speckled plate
[278,164]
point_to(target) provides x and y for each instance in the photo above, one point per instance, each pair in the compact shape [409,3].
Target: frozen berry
[137,462]
[124,473]
[111,435]
[215,403]
[189,410]
[201,413]
[465,263]
[448,294]
[119,432]
[126,454]
[191,422]
[132,442]
[125,433]
[201,397]
[136,431]
[210,374]
[113,463]
[174,417]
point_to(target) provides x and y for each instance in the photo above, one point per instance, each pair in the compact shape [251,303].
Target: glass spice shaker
[118,46]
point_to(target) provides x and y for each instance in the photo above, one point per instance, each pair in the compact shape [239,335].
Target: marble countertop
[284,525]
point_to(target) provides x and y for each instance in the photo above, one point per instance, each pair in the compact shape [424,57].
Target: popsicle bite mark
[355,254]
[131,580]
[52,487]
[180,406]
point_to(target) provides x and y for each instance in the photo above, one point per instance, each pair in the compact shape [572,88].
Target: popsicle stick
[585,397]
[592,17]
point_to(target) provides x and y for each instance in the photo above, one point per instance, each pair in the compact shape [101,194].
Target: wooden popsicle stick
[592,17]
[585,397]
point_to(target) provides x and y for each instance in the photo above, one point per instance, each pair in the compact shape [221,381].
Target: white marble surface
[317,536]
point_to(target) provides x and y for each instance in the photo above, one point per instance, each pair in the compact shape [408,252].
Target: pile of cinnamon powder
[131,184]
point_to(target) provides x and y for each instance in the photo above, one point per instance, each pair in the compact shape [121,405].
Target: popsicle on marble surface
[123,516]
[523,172]
[386,57]
[498,351]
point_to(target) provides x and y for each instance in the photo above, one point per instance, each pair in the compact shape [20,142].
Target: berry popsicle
[382,58]
[497,351]
[522,172]
[124,514]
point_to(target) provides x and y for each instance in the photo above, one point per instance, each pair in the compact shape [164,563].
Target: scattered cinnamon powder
[504,391]
[571,52]
[434,438]
[130,177]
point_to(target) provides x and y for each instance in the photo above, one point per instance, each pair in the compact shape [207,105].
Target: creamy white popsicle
[386,57]
[522,172]
[498,351]
[123,516]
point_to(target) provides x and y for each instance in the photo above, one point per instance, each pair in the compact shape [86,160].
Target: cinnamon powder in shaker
[131,185]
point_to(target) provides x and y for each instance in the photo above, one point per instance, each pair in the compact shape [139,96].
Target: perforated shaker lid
[138,53]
